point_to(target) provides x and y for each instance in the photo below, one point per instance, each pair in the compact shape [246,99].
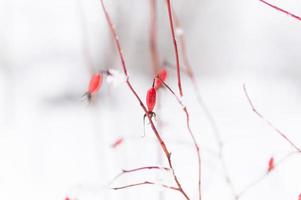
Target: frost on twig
[115,77]
[179,31]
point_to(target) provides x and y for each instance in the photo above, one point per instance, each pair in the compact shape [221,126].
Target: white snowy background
[53,144]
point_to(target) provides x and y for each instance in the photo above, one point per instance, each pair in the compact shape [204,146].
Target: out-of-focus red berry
[118,142]
[271,164]
[95,83]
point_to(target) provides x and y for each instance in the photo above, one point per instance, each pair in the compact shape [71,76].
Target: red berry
[118,142]
[163,76]
[151,99]
[271,164]
[95,83]
[300,196]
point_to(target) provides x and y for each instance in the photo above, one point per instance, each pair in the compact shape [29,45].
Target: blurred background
[54,144]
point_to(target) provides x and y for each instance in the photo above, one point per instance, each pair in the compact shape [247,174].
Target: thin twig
[160,140]
[263,176]
[145,183]
[175,45]
[252,184]
[115,37]
[188,69]
[138,169]
[283,135]
[197,148]
[282,10]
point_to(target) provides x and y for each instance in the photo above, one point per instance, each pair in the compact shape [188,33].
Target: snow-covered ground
[53,144]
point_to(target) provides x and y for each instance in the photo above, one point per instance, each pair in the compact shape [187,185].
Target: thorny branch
[160,140]
[153,36]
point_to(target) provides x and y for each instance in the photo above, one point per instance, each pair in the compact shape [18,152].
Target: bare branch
[173,35]
[283,135]
[282,10]
[197,148]
[139,169]
[160,140]
[146,183]
[189,71]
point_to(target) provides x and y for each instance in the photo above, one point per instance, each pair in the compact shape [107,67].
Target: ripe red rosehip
[95,83]
[163,76]
[151,99]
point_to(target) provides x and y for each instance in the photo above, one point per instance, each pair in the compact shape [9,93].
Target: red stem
[155,59]
[268,122]
[148,167]
[212,122]
[172,66]
[139,169]
[145,183]
[281,10]
[197,148]
[207,112]
[115,37]
[160,140]
[153,37]
[175,45]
